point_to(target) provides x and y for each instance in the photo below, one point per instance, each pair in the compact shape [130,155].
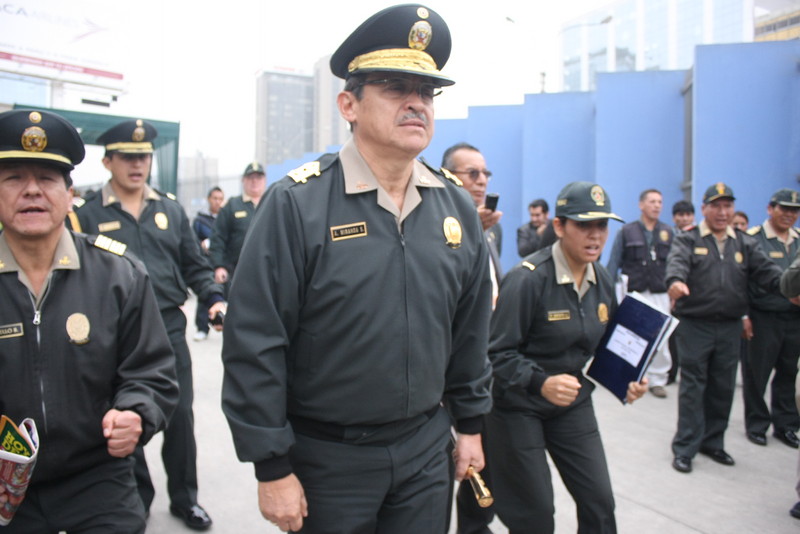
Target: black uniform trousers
[99,500]
[522,485]
[397,487]
[709,358]
[179,450]
[775,345]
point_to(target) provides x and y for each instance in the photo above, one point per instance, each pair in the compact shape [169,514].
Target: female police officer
[552,310]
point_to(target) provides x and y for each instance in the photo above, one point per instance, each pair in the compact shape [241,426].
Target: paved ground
[752,497]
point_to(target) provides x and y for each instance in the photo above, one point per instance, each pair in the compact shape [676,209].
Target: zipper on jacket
[37,321]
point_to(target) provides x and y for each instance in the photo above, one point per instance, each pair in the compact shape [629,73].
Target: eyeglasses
[398,88]
[474,174]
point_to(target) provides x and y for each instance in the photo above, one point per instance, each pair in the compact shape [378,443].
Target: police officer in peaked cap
[75,311]
[553,309]
[334,378]
[155,227]
[709,268]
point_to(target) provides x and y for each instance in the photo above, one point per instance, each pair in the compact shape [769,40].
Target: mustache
[415,115]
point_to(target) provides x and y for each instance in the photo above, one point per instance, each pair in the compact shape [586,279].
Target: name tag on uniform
[348,231]
[701,251]
[775,254]
[11,330]
[109,226]
[240,214]
[558,315]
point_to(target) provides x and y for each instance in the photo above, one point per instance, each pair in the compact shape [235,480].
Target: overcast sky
[196,62]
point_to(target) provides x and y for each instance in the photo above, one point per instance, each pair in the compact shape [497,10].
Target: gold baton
[482,493]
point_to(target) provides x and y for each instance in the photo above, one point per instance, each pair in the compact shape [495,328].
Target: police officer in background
[361,304]
[552,311]
[234,220]
[203,226]
[640,253]
[84,352]
[156,229]
[708,271]
[775,342]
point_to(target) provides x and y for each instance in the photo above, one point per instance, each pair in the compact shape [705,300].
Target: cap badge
[720,188]
[35,117]
[420,35]
[452,232]
[794,197]
[34,139]
[78,328]
[598,195]
[138,132]
[422,12]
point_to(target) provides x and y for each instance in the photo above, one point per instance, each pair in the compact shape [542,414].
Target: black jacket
[65,377]
[718,282]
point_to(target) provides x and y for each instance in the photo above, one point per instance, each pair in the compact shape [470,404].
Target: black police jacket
[93,342]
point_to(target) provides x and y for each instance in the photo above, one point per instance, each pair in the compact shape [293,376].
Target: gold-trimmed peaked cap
[718,190]
[133,136]
[584,201]
[408,38]
[40,136]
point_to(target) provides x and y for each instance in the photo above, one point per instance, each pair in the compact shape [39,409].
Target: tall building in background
[636,35]
[330,129]
[779,25]
[284,116]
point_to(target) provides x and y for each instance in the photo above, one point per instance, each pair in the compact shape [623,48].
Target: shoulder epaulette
[172,197]
[106,243]
[528,265]
[79,202]
[753,230]
[441,171]
[301,174]
[452,177]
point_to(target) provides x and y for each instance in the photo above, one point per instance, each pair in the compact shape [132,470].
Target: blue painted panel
[747,121]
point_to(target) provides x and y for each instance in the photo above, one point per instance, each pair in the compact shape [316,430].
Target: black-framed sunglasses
[398,88]
[474,174]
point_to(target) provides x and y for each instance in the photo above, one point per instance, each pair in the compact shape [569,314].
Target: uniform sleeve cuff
[273,468]
[214,298]
[470,425]
[536,383]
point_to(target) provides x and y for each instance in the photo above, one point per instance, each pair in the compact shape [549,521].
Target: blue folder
[632,337]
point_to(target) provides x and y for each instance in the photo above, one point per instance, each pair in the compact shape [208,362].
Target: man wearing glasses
[360,304]
[467,163]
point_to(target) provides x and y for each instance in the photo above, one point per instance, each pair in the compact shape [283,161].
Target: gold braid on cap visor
[25,154]
[395,59]
[131,148]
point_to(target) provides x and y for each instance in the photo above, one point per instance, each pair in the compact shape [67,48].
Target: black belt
[377,434]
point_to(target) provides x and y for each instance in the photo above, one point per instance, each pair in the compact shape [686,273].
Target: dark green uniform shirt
[91,340]
[346,311]
[543,326]
[790,281]
[782,255]
[718,277]
[232,223]
[162,238]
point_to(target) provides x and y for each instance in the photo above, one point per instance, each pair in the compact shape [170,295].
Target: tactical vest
[645,266]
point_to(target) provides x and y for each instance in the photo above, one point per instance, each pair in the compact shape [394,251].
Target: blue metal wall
[746,122]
